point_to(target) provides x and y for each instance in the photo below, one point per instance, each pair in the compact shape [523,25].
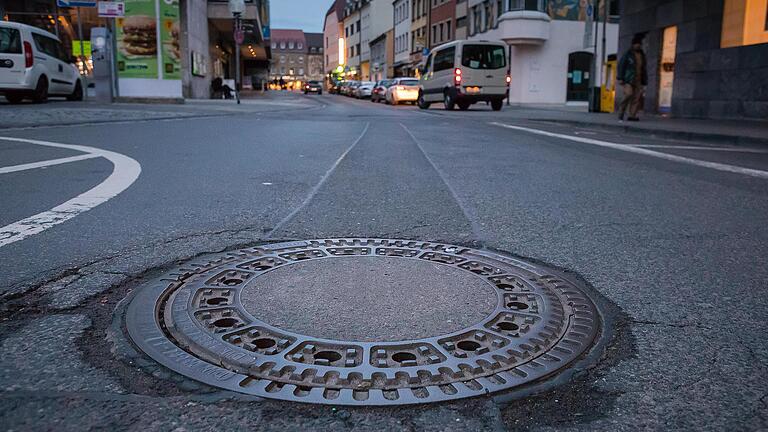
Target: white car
[465,72]
[403,90]
[364,89]
[35,65]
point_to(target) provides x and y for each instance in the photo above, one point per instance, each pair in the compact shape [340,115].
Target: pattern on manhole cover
[193,322]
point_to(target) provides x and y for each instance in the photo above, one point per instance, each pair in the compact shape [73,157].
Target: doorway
[579,64]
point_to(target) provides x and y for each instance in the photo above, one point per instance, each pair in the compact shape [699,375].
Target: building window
[274,45]
[300,46]
[290,45]
[282,45]
[282,59]
[301,71]
[301,59]
[745,22]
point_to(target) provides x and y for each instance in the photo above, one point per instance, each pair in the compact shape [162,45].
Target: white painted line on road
[722,149]
[47,163]
[634,149]
[317,187]
[125,171]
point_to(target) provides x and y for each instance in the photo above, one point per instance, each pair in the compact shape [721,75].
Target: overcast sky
[307,15]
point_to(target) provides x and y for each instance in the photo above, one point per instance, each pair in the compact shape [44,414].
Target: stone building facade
[706,59]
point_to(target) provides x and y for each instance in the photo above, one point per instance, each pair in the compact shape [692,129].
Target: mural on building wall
[571,10]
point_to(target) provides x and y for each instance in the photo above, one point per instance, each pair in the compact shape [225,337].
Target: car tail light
[457,76]
[509,79]
[29,58]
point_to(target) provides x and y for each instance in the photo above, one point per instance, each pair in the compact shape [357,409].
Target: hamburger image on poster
[139,36]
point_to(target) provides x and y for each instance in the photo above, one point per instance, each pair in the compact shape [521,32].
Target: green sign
[76,48]
[169,35]
[137,40]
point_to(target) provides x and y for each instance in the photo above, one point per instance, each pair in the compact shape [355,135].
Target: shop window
[745,22]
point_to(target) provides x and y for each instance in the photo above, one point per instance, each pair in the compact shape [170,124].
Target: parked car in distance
[379,91]
[403,90]
[35,65]
[364,90]
[463,73]
[352,88]
[313,87]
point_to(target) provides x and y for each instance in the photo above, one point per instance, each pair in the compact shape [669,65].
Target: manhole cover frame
[179,334]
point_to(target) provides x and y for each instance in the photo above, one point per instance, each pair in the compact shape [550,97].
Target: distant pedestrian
[632,75]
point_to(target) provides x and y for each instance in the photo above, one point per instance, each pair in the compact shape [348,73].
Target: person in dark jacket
[632,75]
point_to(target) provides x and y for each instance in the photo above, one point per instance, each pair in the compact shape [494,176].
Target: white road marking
[723,149]
[46,163]
[126,170]
[634,149]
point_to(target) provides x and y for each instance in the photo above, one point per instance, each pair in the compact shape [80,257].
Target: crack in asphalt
[676,325]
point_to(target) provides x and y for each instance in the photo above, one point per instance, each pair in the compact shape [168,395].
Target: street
[668,237]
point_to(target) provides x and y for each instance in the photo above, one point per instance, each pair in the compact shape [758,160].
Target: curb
[699,137]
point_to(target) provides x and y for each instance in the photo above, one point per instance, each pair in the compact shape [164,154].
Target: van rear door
[484,66]
[12,63]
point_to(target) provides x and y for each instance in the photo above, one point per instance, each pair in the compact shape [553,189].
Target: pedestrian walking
[632,76]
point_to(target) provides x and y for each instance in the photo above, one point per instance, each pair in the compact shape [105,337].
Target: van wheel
[448,101]
[41,90]
[464,106]
[496,104]
[14,98]
[77,93]
[423,104]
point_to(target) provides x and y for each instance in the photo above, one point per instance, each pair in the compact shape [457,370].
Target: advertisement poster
[169,37]
[137,40]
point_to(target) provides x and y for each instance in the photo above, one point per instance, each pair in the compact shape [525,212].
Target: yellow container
[608,87]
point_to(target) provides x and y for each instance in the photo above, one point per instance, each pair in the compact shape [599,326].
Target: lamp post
[237,8]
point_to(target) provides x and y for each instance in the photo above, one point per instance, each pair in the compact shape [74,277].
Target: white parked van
[464,72]
[34,65]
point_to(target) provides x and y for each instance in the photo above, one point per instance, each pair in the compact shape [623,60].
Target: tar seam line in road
[643,151]
[476,230]
[125,171]
[46,163]
[317,187]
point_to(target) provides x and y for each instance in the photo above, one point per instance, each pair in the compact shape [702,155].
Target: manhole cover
[363,321]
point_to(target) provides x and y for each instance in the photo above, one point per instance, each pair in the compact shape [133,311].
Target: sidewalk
[734,132]
[64,113]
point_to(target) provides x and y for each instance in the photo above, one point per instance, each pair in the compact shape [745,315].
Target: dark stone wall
[710,82]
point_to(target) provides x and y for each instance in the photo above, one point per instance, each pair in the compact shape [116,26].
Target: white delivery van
[34,65]
[464,72]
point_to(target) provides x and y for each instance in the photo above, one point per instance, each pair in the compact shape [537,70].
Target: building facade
[289,56]
[402,37]
[352,29]
[551,45]
[461,19]
[334,44]
[380,33]
[442,22]
[420,10]
[315,56]
[705,59]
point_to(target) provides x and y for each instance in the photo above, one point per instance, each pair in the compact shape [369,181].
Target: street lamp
[237,8]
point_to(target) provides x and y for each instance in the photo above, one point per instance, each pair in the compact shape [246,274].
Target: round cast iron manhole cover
[363,321]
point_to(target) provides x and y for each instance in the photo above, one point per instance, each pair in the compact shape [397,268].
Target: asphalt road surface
[672,235]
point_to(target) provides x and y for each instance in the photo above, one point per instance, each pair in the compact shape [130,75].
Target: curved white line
[125,171]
